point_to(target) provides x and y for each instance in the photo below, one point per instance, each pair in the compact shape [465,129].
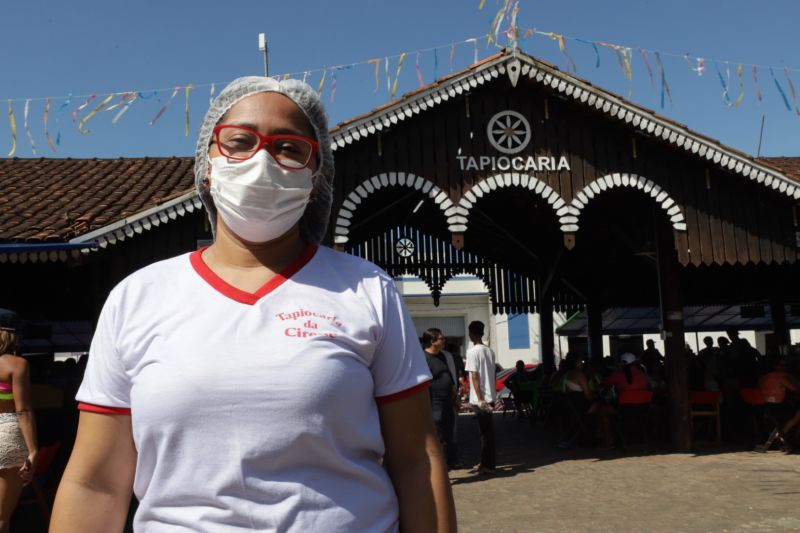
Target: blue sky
[50,48]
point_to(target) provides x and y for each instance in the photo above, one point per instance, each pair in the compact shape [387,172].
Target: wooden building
[557,194]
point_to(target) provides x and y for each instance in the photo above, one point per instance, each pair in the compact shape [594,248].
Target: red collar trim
[239,295]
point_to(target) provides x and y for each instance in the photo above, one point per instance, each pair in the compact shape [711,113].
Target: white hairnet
[314,222]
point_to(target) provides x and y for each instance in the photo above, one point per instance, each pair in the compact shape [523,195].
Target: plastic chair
[634,407]
[705,404]
[759,409]
[41,488]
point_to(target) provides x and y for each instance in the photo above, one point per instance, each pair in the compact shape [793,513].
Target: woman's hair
[8,341]
[430,335]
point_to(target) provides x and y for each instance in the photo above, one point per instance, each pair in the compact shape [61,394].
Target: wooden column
[779,327]
[669,284]
[547,340]
[594,320]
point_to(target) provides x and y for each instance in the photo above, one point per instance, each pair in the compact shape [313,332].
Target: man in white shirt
[482,394]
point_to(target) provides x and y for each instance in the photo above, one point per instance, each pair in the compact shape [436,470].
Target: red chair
[705,404]
[634,408]
[761,412]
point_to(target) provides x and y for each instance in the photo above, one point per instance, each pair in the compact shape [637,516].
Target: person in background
[520,384]
[482,394]
[442,390]
[18,445]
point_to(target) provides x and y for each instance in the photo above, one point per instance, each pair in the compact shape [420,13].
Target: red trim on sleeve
[103,410]
[403,393]
[200,266]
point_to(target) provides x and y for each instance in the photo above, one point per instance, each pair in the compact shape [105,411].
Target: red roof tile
[54,200]
[788,165]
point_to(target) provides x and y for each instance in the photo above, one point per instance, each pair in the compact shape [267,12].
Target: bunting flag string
[94,111]
[759,96]
[186,111]
[482,4]
[82,107]
[419,73]
[505,22]
[791,88]
[741,85]
[25,125]
[13,124]
[780,90]
[397,73]
[664,84]
[47,133]
[725,98]
[377,67]
[165,106]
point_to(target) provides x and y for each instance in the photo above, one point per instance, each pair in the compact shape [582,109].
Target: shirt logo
[304,323]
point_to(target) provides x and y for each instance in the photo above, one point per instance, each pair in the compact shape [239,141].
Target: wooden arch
[386,179]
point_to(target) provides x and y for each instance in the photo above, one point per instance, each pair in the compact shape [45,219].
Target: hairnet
[314,221]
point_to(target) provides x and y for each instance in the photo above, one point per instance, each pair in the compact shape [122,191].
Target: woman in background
[18,447]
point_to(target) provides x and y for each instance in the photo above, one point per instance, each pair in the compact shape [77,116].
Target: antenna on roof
[262,47]
[760,135]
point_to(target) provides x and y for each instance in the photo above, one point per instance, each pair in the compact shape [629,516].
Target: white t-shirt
[257,411]
[480,359]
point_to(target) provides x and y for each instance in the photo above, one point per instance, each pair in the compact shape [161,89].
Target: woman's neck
[230,250]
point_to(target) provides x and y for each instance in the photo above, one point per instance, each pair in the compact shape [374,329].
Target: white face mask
[258,199]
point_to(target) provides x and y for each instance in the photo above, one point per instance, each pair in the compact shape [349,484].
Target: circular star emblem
[509,132]
[405,247]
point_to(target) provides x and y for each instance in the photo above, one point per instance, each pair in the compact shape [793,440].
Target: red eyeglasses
[291,152]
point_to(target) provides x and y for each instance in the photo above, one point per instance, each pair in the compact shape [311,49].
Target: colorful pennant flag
[725,98]
[47,133]
[759,96]
[165,106]
[664,84]
[25,125]
[593,45]
[741,85]
[791,88]
[643,52]
[94,111]
[186,111]
[82,107]
[780,90]
[322,81]
[377,67]
[397,73]
[419,73]
[13,129]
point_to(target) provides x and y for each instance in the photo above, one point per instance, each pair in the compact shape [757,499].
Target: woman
[265,382]
[18,447]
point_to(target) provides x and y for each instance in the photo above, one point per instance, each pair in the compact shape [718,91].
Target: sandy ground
[539,487]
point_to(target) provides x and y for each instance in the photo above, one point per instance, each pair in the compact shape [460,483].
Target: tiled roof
[55,200]
[788,165]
